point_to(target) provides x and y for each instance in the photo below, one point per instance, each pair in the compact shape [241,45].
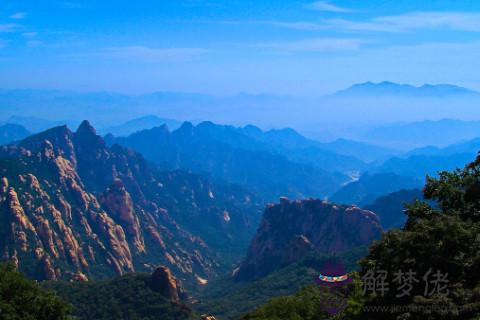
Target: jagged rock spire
[86,128]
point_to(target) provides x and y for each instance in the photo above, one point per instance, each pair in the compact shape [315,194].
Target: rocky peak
[57,140]
[160,131]
[95,160]
[163,281]
[292,228]
[86,137]
[163,128]
[186,130]
[86,129]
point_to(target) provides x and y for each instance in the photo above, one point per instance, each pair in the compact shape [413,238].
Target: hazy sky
[230,46]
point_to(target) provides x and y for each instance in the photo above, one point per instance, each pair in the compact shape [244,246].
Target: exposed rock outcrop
[73,208]
[292,228]
[119,205]
[164,282]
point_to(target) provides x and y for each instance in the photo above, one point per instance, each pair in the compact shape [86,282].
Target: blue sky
[223,47]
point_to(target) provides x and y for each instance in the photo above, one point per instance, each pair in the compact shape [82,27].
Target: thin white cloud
[359,26]
[298,25]
[313,45]
[142,53]
[459,21]
[30,34]
[18,15]
[464,21]
[34,43]
[328,7]
[8,27]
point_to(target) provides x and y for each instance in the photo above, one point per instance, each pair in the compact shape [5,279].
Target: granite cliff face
[73,208]
[291,229]
[164,282]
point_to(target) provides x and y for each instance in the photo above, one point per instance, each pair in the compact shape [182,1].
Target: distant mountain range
[379,103]
[371,186]
[465,147]
[382,89]
[390,208]
[424,133]
[35,125]
[419,166]
[273,163]
[138,124]
[12,132]
[107,108]
[360,150]
[416,165]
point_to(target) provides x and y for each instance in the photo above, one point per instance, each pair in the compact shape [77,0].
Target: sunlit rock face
[70,205]
[292,229]
[164,282]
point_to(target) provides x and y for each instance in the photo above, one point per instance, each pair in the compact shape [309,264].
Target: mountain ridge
[228,154]
[79,207]
[387,88]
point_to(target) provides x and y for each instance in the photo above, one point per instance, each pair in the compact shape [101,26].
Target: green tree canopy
[444,238]
[24,299]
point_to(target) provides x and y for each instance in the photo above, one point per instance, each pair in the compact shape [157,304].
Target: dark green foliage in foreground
[24,299]
[228,299]
[128,297]
[310,303]
[447,239]
[305,305]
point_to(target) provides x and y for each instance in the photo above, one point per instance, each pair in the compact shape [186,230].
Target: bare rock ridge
[119,204]
[164,282]
[292,228]
[73,208]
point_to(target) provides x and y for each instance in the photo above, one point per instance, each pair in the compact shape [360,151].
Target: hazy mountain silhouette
[12,132]
[34,124]
[419,166]
[370,186]
[390,208]
[387,88]
[138,124]
[242,155]
[424,133]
